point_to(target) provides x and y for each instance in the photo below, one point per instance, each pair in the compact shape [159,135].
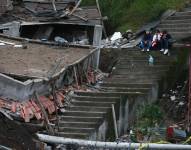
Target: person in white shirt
[156,40]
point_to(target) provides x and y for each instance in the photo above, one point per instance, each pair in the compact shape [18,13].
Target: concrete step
[84,113]
[179,17]
[143,59]
[91,103]
[187,9]
[183,13]
[80,119]
[72,135]
[180,35]
[118,89]
[176,21]
[96,99]
[139,69]
[125,85]
[139,76]
[133,80]
[139,73]
[176,29]
[106,94]
[140,64]
[174,25]
[76,130]
[78,124]
[133,67]
[142,55]
[138,52]
[88,108]
[132,77]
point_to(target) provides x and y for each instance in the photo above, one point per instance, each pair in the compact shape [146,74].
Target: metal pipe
[114,121]
[111,145]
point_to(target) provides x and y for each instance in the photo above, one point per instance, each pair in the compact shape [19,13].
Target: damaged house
[45,46]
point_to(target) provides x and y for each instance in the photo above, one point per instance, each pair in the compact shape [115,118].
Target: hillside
[132,14]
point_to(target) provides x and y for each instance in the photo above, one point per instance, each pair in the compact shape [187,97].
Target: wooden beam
[48,126]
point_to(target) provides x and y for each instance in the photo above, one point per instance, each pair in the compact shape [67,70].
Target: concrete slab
[37,60]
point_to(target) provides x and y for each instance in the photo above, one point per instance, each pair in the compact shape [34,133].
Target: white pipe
[97,144]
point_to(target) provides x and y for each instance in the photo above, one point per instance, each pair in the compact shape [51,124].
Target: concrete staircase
[132,77]
[178,25]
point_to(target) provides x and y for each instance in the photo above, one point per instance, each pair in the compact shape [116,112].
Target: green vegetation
[132,14]
[149,116]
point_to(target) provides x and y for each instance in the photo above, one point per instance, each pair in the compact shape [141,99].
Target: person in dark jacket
[146,42]
[165,41]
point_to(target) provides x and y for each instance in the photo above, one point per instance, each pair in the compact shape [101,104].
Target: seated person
[156,40]
[165,42]
[146,41]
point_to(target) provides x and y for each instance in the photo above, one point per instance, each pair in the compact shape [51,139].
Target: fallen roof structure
[39,20]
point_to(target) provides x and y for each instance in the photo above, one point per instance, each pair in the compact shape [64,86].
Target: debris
[116,36]
[181,103]
[151,60]
[84,42]
[176,134]
[18,46]
[60,40]
[173,98]
[5,114]
[2,44]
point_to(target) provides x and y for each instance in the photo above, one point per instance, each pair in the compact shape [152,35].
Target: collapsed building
[44,45]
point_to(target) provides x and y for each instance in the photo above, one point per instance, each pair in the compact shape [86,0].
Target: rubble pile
[119,40]
[30,109]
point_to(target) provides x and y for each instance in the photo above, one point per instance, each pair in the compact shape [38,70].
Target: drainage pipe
[111,145]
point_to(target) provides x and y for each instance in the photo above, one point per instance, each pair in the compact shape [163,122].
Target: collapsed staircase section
[132,83]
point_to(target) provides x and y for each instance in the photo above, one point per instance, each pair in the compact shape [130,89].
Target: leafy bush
[149,116]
